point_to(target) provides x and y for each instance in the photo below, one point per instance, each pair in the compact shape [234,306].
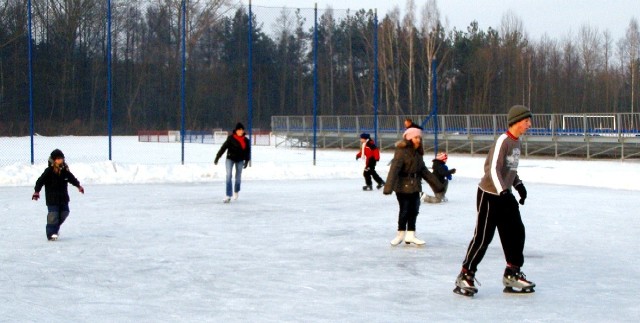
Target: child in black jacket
[443,173]
[54,179]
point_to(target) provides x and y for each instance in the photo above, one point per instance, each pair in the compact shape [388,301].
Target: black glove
[522,192]
[246,164]
[35,196]
[452,171]
[215,162]
[357,157]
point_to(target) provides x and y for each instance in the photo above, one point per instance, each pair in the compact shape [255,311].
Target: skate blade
[510,290]
[464,292]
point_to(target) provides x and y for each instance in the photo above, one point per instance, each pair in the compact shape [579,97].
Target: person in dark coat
[405,178]
[54,179]
[371,154]
[238,148]
[443,173]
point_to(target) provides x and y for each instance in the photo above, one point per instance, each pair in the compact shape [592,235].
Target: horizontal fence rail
[557,135]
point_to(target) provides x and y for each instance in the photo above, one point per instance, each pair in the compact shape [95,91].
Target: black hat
[517,113]
[238,126]
[56,154]
[365,135]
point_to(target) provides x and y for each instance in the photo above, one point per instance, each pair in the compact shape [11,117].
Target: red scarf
[240,139]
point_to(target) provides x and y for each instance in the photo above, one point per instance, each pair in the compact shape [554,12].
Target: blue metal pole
[109,111]
[250,74]
[315,81]
[375,74]
[434,65]
[30,79]
[184,71]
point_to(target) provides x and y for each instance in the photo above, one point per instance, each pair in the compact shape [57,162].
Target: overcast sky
[556,18]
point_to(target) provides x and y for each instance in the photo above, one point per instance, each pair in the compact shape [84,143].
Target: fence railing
[607,135]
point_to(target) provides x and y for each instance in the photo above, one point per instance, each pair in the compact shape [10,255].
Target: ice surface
[305,244]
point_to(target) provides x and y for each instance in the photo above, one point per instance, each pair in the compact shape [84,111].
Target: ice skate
[431,199]
[226,199]
[367,188]
[380,185]
[514,278]
[235,195]
[410,238]
[398,239]
[53,237]
[465,284]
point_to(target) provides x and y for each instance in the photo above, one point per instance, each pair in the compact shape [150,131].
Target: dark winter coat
[407,171]
[441,171]
[55,185]
[234,150]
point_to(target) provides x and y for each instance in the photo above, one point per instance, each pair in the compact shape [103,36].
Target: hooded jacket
[407,171]
[55,185]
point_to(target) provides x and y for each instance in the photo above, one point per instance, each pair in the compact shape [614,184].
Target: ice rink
[154,242]
[309,251]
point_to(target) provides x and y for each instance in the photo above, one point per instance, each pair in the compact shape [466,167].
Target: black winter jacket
[234,150]
[441,171]
[55,185]
[407,171]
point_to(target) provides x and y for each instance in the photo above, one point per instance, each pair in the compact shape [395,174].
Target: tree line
[478,71]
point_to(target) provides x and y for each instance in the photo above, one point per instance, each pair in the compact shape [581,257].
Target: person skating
[238,148]
[405,178]
[497,208]
[371,154]
[443,173]
[54,179]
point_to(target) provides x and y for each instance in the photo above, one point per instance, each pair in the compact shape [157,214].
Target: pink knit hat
[411,133]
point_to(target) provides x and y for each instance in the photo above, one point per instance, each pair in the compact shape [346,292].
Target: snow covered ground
[151,241]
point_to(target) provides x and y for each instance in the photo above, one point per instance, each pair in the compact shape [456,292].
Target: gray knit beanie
[517,113]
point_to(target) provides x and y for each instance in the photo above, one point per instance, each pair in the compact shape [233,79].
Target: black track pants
[501,212]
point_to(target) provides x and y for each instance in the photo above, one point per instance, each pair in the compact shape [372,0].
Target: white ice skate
[226,199]
[54,237]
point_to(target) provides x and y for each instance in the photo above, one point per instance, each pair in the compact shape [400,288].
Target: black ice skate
[465,284]
[367,188]
[380,185]
[514,278]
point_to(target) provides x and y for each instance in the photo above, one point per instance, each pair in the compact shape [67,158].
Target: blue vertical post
[375,75]
[250,74]
[184,71]
[434,65]
[109,118]
[315,81]
[30,78]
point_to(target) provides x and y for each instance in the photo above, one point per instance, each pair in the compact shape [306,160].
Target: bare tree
[408,24]
[589,42]
[633,53]
[430,30]
[389,64]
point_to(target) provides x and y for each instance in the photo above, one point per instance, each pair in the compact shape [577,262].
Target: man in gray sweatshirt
[497,208]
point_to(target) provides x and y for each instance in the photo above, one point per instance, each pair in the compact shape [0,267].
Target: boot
[514,278]
[398,239]
[465,283]
[411,238]
[367,188]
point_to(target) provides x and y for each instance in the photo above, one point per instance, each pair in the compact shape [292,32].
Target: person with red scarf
[238,148]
